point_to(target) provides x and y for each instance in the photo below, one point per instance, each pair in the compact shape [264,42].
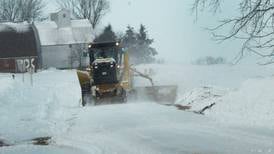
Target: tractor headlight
[111,66]
[88,69]
[117,44]
[96,67]
[89,46]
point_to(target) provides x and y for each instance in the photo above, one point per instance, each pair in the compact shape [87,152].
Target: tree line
[209,60]
[20,10]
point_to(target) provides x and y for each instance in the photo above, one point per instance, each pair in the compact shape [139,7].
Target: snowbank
[6,83]
[41,109]
[243,93]
[198,98]
[251,105]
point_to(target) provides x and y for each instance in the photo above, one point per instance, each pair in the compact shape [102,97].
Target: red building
[18,44]
[7,65]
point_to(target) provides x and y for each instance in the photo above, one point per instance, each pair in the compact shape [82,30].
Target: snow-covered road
[149,128]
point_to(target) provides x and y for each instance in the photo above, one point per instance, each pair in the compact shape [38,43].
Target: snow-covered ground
[242,93]
[240,122]
[28,111]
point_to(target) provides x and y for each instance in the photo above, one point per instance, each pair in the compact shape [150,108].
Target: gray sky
[170,23]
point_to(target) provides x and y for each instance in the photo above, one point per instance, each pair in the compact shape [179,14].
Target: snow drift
[243,93]
[28,111]
[252,104]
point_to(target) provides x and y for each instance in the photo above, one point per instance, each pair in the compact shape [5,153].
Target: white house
[64,41]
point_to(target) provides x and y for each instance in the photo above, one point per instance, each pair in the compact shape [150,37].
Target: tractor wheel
[123,96]
[85,99]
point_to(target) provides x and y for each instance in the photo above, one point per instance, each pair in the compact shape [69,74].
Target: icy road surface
[51,108]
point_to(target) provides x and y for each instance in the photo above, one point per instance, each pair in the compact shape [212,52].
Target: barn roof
[80,31]
[17,40]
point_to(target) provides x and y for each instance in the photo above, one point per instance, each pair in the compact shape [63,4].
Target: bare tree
[93,10]
[9,10]
[20,10]
[254,26]
[31,10]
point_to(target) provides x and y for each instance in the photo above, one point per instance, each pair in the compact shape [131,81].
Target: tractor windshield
[103,53]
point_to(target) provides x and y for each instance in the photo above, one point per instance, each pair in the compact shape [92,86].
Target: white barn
[64,42]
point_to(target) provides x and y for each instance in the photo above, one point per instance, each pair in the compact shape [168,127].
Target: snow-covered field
[242,121]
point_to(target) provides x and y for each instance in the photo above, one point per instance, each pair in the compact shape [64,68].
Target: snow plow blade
[159,94]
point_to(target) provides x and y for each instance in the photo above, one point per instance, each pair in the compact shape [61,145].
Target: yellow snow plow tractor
[109,78]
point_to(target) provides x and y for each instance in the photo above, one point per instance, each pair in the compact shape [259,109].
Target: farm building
[64,42]
[18,44]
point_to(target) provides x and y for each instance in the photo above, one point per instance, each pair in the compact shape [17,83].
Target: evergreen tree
[130,41]
[107,35]
[147,53]
[139,45]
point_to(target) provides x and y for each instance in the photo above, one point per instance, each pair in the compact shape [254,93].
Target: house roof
[17,40]
[80,31]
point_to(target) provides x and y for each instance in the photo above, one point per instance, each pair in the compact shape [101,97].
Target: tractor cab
[105,61]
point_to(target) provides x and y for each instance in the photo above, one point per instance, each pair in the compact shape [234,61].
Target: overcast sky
[170,23]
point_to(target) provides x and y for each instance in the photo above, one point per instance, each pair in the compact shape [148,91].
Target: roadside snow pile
[199,98]
[28,111]
[6,83]
[240,95]
[250,105]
